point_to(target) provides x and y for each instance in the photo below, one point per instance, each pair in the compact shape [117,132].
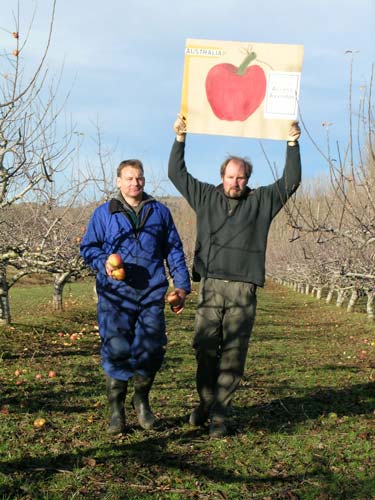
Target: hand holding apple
[115,260]
[115,267]
[176,299]
[119,274]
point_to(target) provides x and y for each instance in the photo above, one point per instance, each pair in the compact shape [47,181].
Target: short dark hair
[246,162]
[130,163]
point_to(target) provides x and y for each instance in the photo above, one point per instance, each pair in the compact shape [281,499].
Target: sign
[241,89]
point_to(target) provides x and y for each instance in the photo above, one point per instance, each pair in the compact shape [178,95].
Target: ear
[118,182]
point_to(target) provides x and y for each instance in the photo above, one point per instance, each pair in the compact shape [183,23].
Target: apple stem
[245,63]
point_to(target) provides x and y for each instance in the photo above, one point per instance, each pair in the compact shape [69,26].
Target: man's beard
[234,192]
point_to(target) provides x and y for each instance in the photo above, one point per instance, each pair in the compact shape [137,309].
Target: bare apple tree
[35,145]
[334,222]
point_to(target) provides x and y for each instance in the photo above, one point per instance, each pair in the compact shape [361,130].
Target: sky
[123,64]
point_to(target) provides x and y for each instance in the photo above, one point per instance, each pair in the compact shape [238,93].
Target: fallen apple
[234,93]
[115,260]
[39,423]
[118,274]
[38,376]
[52,374]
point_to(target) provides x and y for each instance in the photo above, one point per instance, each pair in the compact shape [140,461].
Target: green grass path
[302,423]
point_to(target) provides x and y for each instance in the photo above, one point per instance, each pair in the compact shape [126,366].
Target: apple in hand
[115,267]
[119,274]
[115,260]
[173,298]
[175,301]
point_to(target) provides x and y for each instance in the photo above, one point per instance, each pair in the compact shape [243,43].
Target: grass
[302,423]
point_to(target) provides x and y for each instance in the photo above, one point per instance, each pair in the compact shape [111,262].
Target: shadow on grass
[56,395]
[150,454]
[289,411]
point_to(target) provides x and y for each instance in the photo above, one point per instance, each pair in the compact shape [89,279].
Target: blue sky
[123,64]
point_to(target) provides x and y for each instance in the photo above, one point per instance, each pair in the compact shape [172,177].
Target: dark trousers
[223,323]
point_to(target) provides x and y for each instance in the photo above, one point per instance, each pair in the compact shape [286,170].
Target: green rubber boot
[116,393]
[141,404]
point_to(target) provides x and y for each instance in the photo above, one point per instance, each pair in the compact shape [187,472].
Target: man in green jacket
[232,228]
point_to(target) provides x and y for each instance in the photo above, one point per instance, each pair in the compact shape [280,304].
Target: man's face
[131,184]
[234,179]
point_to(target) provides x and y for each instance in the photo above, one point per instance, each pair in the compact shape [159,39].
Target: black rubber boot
[230,370]
[140,401]
[116,393]
[206,378]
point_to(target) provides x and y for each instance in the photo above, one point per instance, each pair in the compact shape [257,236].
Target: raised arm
[288,183]
[193,190]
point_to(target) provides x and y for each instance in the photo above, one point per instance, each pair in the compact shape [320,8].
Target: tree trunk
[370,304]
[340,298]
[4,299]
[95,293]
[58,288]
[329,295]
[352,300]
[319,293]
[307,289]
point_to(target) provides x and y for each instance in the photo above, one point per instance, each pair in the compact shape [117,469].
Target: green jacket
[231,244]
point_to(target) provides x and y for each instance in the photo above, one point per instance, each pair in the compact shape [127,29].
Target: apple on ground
[52,374]
[39,423]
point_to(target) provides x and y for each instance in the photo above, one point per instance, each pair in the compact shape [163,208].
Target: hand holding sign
[241,89]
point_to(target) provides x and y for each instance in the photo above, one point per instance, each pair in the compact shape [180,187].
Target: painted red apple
[234,93]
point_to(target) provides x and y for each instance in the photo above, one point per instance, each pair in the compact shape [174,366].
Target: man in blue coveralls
[131,311]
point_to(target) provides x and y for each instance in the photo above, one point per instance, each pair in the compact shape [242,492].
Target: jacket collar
[118,203]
